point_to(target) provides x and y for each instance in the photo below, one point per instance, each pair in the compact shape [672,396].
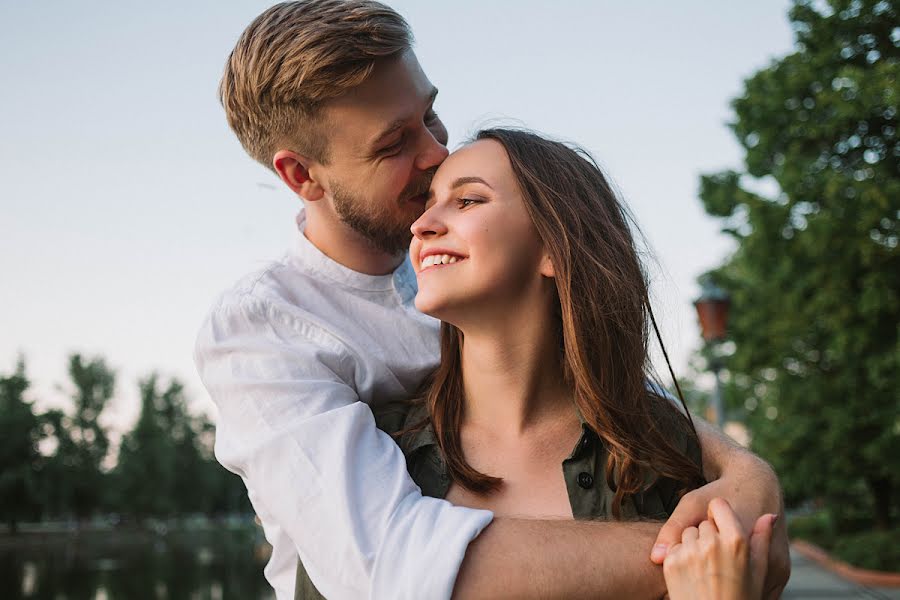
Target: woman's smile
[438,257]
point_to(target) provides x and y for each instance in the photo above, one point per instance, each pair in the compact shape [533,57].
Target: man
[330,96]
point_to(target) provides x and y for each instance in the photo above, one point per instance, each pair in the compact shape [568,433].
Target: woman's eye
[431,116]
[464,202]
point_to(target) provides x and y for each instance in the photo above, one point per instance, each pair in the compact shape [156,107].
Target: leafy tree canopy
[815,281]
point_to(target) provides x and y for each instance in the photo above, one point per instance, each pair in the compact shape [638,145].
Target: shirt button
[585,480]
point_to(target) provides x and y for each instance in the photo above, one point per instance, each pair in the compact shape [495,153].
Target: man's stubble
[386,229]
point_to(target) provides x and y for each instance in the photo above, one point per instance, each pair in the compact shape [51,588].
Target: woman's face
[475,249]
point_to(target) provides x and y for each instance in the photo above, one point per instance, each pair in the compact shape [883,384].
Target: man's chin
[395,244]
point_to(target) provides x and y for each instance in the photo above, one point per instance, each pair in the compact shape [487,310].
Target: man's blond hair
[294,57]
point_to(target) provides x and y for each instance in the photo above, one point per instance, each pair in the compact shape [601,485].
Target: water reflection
[126,565]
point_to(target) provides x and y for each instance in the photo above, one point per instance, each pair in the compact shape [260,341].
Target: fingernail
[658,552]
[774,519]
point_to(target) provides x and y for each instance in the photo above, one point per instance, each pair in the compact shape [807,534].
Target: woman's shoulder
[660,494]
[663,493]
[408,422]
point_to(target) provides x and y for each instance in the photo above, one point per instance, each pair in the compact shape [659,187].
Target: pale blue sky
[127,204]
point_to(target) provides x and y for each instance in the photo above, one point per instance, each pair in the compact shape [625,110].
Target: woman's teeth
[439,259]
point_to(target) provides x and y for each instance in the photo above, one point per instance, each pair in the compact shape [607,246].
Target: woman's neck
[512,376]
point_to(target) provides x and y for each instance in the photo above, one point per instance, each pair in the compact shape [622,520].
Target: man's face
[385,143]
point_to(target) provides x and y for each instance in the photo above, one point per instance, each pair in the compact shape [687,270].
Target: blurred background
[756,144]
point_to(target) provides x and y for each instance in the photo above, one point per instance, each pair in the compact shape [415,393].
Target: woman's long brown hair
[603,319]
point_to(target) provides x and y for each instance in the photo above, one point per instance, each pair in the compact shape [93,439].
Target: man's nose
[432,153]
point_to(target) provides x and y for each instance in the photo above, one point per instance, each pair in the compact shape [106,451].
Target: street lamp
[712,310]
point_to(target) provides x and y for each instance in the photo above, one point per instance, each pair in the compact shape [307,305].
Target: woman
[525,254]
[540,406]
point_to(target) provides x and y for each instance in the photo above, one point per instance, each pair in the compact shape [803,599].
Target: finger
[673,552]
[759,547]
[690,535]
[707,530]
[725,518]
[687,513]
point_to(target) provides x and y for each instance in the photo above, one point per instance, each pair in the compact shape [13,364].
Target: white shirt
[287,354]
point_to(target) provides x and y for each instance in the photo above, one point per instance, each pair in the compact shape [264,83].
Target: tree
[20,459]
[58,479]
[815,279]
[147,455]
[171,449]
[87,445]
[191,485]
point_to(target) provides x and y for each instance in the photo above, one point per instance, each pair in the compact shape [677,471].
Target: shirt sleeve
[315,465]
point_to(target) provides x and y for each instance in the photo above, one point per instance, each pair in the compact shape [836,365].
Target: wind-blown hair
[296,56]
[603,319]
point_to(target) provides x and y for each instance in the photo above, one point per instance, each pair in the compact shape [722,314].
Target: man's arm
[317,470]
[523,559]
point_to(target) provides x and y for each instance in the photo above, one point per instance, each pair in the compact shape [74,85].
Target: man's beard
[379,225]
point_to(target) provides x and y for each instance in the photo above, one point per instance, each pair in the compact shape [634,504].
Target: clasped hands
[711,555]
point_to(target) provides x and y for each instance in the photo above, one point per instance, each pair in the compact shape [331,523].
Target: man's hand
[750,487]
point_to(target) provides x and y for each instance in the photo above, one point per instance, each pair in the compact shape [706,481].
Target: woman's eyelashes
[466,202]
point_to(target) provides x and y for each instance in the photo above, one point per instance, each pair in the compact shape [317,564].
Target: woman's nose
[428,225]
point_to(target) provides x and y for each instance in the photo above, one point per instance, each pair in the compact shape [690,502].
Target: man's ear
[293,169]
[546,269]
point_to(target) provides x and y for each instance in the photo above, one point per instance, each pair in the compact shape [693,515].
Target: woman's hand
[751,488]
[716,561]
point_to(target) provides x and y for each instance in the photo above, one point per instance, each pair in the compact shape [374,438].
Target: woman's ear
[546,268]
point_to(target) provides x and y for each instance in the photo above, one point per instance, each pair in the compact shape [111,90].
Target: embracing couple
[443,387]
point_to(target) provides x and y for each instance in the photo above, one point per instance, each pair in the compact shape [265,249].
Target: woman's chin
[435,306]
[428,305]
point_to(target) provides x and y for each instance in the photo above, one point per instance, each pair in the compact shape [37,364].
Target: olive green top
[584,470]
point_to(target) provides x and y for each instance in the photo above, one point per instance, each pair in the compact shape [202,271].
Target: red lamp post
[712,310]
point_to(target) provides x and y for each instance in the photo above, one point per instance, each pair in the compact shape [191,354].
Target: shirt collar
[403,277]
[425,436]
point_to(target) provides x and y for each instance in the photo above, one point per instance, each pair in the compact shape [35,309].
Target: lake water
[122,565]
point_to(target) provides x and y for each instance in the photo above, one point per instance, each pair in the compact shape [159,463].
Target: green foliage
[19,456]
[54,465]
[171,449]
[815,281]
[870,549]
[57,481]
[147,454]
[85,444]
[816,528]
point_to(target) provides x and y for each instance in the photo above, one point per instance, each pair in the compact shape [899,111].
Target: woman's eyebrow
[472,179]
